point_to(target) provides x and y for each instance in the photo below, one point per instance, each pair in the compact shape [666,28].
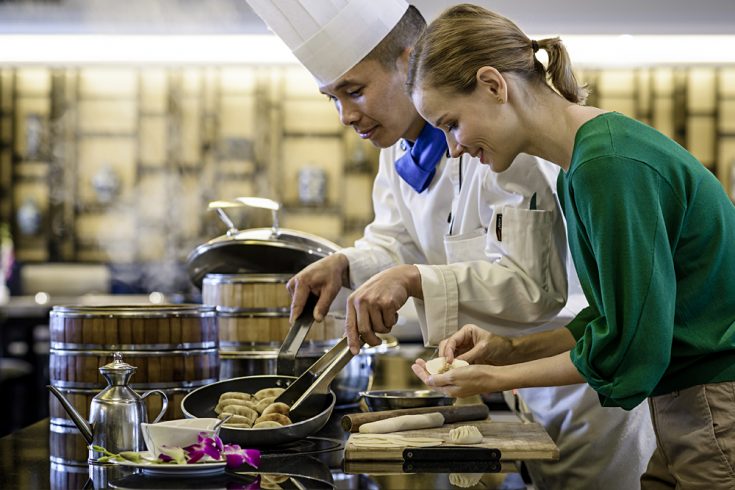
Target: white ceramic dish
[176,433]
[154,469]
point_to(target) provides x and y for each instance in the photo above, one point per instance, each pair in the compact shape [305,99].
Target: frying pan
[313,413]
[310,398]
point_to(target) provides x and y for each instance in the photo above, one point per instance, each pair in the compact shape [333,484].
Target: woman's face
[476,123]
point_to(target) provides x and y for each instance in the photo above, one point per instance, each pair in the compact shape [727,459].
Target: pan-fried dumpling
[266,424]
[236,395]
[240,410]
[279,407]
[439,365]
[275,417]
[264,403]
[234,401]
[236,420]
[465,434]
[268,392]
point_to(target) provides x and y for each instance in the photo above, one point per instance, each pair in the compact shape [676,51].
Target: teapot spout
[84,427]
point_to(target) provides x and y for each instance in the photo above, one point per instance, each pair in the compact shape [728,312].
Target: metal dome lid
[272,250]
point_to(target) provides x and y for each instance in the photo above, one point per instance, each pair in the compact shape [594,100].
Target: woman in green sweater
[651,232]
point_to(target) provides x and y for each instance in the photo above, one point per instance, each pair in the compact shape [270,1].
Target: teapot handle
[165,402]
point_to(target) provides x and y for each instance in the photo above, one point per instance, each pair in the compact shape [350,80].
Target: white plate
[154,469]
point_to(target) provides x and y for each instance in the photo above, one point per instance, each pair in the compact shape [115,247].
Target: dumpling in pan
[279,407]
[267,393]
[275,417]
[465,434]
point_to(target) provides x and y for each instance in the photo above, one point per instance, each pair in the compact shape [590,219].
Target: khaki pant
[695,435]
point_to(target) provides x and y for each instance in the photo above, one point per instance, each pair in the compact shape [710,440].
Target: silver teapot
[116,412]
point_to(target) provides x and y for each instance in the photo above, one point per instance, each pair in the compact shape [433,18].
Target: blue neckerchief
[418,165]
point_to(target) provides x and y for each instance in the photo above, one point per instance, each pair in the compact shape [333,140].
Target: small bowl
[176,433]
[394,399]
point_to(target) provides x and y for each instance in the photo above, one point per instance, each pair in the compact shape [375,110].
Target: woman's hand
[477,346]
[461,382]
[470,380]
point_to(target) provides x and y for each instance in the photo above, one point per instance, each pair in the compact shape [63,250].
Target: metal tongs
[286,362]
[317,378]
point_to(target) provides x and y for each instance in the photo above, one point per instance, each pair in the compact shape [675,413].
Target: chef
[466,244]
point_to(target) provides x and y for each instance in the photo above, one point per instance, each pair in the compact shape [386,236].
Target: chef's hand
[373,307]
[460,382]
[324,278]
[477,346]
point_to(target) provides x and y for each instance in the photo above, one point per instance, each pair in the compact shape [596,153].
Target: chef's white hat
[330,36]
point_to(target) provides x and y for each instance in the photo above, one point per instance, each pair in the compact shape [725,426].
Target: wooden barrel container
[259,292]
[174,348]
[240,327]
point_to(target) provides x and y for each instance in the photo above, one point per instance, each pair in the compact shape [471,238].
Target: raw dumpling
[465,480]
[439,365]
[465,434]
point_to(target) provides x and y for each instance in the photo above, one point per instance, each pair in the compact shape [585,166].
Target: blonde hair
[467,37]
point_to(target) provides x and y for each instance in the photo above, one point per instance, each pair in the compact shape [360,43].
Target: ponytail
[466,37]
[559,71]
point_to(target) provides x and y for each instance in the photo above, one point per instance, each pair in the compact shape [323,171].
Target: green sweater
[652,235]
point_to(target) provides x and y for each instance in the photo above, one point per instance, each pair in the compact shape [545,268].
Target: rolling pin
[352,422]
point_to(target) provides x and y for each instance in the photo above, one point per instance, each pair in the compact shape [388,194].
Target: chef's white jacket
[491,250]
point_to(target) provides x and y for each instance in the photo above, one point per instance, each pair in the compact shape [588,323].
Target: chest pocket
[466,247]
[527,240]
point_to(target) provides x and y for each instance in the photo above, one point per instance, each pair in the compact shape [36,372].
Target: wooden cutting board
[515,440]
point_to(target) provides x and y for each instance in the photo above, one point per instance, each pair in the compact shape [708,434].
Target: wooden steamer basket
[259,292]
[173,347]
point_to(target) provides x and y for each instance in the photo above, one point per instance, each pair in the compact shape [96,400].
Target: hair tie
[534,45]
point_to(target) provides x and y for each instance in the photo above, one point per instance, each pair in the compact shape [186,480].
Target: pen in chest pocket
[499,219]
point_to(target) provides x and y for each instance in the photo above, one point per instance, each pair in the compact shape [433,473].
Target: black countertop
[24,464]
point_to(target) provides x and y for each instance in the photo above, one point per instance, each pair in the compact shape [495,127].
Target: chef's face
[373,100]
[473,123]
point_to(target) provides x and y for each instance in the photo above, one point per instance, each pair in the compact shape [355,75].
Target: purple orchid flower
[236,456]
[205,446]
[212,447]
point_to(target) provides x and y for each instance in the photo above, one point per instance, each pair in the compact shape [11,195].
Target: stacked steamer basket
[253,311]
[173,347]
[253,314]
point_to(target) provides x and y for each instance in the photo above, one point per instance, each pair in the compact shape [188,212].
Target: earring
[500,100]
